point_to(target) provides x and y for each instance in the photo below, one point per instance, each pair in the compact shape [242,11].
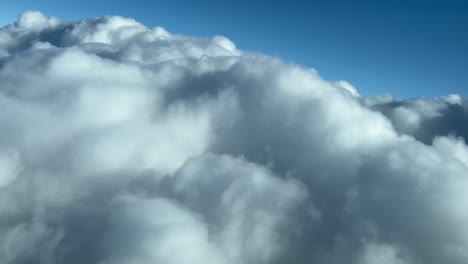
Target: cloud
[425,118]
[121,144]
[34,20]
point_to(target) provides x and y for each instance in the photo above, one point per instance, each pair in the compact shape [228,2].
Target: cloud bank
[121,144]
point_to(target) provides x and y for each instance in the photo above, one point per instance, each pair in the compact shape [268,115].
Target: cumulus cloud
[121,144]
[425,118]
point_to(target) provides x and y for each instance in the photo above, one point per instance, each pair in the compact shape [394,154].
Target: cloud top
[121,144]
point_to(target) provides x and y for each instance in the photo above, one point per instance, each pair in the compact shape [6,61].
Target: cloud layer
[121,144]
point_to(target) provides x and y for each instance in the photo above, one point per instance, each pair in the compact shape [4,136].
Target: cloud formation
[121,144]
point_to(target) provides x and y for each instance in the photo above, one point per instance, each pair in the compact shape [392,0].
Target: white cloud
[123,144]
[34,20]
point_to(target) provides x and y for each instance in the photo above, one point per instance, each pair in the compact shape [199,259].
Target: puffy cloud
[157,231]
[124,144]
[425,118]
[34,20]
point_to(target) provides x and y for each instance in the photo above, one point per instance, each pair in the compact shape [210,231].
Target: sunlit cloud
[122,144]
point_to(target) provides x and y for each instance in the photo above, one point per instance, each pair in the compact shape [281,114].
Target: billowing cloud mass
[121,144]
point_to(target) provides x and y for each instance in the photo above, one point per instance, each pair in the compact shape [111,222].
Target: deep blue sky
[406,48]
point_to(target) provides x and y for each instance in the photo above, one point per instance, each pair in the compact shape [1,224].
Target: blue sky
[406,48]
